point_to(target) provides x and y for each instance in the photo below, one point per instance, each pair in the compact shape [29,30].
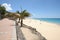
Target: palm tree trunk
[21,22]
[0,15]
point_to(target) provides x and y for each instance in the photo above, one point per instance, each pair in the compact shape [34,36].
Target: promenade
[7,30]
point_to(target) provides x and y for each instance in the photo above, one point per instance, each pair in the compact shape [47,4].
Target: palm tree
[23,15]
[2,11]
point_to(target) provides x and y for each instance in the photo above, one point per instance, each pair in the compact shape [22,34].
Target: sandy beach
[50,31]
[29,19]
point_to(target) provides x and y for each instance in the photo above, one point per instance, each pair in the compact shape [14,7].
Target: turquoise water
[52,20]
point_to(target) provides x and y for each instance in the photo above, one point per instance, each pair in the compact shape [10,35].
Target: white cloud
[7,6]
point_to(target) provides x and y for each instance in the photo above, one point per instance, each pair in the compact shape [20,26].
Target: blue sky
[37,8]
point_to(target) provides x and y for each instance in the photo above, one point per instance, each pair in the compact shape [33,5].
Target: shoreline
[42,21]
[47,21]
[50,31]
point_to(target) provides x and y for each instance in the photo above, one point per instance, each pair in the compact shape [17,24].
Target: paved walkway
[7,30]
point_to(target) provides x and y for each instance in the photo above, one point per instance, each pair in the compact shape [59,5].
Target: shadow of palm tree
[34,31]
[20,35]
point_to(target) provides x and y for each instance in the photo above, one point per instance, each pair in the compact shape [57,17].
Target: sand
[7,30]
[29,35]
[50,31]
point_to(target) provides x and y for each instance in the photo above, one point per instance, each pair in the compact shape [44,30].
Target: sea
[51,20]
